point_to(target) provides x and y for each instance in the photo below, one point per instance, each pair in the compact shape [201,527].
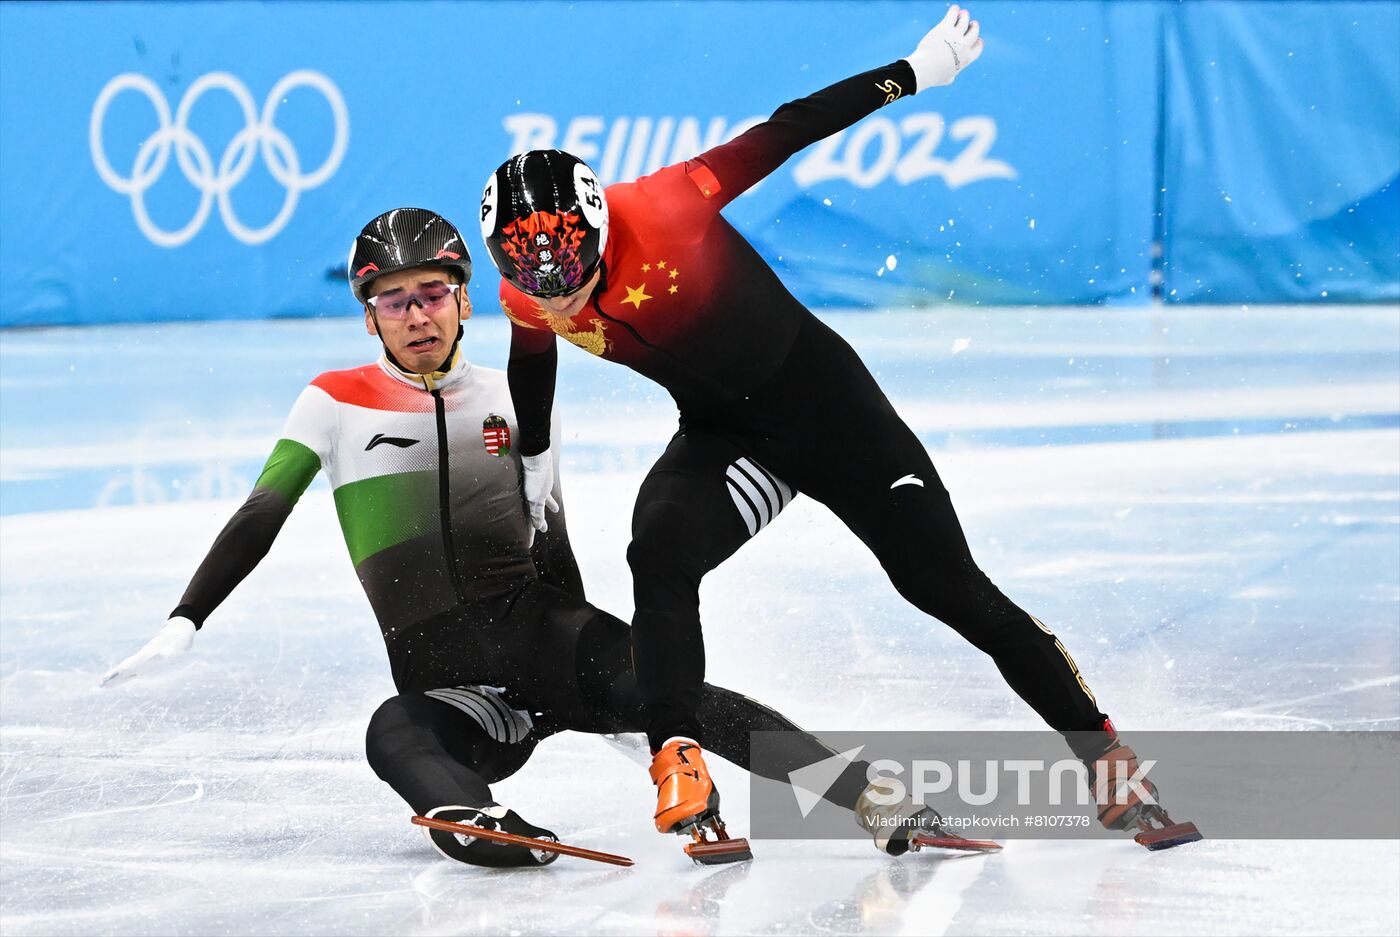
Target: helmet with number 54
[545,221]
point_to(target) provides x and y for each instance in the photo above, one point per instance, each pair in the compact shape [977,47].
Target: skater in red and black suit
[651,275]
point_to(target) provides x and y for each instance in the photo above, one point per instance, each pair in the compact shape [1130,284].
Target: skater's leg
[890,495]
[915,533]
[685,523]
[575,664]
[440,752]
[609,701]
[432,752]
[885,489]
[728,718]
[613,704]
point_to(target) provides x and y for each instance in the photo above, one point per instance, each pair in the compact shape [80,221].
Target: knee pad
[388,722]
[411,720]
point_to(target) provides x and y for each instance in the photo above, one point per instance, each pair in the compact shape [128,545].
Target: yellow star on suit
[636,296]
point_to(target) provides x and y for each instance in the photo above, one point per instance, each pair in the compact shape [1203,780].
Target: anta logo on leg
[910,479]
[381,439]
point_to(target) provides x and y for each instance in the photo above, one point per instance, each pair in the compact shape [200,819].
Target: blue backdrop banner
[1282,152]
[213,160]
[193,160]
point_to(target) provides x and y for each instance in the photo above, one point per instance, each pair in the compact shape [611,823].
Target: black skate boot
[483,852]
[905,826]
[1127,800]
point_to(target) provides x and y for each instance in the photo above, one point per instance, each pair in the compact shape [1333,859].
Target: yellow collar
[450,373]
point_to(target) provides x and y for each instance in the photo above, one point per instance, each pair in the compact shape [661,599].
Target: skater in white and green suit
[490,641]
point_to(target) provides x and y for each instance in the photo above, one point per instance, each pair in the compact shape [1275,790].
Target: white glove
[170,641]
[539,487]
[947,49]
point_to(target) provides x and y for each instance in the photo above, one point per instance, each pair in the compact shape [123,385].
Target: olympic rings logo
[259,136]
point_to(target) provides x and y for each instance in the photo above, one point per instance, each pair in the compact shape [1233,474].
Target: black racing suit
[768,396]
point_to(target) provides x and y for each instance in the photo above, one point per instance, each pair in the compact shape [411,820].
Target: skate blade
[1176,834]
[926,841]
[510,839]
[719,852]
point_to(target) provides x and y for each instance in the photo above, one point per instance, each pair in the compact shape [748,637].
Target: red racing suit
[685,300]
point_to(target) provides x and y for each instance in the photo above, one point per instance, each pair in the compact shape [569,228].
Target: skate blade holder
[945,840]
[718,851]
[1165,834]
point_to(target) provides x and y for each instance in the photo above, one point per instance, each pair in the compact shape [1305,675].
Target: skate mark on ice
[1191,609]
[303,899]
[162,802]
[1261,711]
[85,786]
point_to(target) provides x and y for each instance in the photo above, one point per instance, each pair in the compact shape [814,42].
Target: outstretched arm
[249,534]
[726,171]
[245,539]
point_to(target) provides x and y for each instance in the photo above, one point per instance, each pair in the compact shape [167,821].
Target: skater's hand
[170,641]
[539,485]
[947,49]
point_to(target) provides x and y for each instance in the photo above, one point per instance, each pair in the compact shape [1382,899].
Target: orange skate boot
[687,803]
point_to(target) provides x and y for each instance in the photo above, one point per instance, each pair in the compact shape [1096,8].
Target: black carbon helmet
[403,238]
[545,221]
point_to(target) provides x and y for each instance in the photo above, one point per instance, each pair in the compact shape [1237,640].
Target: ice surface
[1204,503]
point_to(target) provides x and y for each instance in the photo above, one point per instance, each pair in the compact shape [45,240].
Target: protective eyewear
[430,297]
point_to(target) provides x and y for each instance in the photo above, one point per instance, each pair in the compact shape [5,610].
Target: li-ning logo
[380,439]
[259,136]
